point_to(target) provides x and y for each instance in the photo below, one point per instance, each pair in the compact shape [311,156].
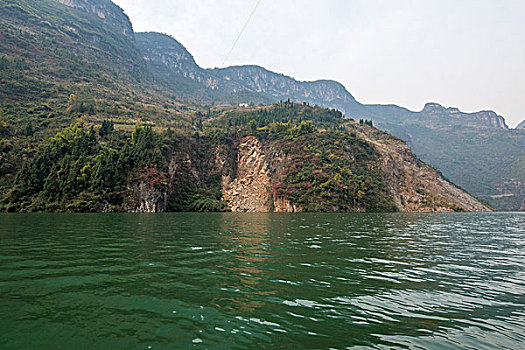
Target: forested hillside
[475,150]
[313,160]
[88,124]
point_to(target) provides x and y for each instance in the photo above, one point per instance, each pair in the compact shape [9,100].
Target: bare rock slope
[248,189]
[414,186]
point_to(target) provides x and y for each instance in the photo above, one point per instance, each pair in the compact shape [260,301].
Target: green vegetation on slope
[332,171]
[324,167]
[74,90]
[78,171]
[88,168]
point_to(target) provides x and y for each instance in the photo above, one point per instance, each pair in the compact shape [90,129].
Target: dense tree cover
[283,112]
[332,172]
[75,171]
[80,169]
[325,168]
[93,168]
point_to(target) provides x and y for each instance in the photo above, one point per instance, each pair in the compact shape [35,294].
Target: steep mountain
[110,13]
[285,158]
[177,70]
[92,119]
[475,150]
[59,63]
[91,36]
[521,125]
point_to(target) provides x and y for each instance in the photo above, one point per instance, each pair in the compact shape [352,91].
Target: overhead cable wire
[242,30]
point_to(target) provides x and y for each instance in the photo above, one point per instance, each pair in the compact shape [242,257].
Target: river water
[249,281]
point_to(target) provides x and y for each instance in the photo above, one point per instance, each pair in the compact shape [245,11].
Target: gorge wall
[459,144]
[250,168]
[110,13]
[248,189]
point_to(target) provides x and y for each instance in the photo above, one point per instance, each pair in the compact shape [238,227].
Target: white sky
[463,53]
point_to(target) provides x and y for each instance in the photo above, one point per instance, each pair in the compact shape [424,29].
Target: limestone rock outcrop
[149,199]
[248,189]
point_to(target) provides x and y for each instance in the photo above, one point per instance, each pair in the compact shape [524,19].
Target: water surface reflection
[263,281]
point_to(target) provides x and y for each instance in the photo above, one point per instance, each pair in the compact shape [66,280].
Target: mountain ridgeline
[170,59]
[111,14]
[177,70]
[95,117]
[475,150]
[284,158]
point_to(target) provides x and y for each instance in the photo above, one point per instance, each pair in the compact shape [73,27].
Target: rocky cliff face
[414,185]
[245,169]
[453,115]
[106,10]
[148,199]
[248,189]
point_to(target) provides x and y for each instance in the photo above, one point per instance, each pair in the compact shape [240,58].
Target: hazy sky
[463,53]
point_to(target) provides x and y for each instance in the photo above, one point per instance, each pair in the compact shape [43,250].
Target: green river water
[262,281]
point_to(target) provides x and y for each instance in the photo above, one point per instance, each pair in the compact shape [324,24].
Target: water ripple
[243,281]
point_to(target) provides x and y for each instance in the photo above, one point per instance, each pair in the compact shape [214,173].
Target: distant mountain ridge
[174,66]
[485,118]
[86,126]
[475,150]
[113,15]
[163,50]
